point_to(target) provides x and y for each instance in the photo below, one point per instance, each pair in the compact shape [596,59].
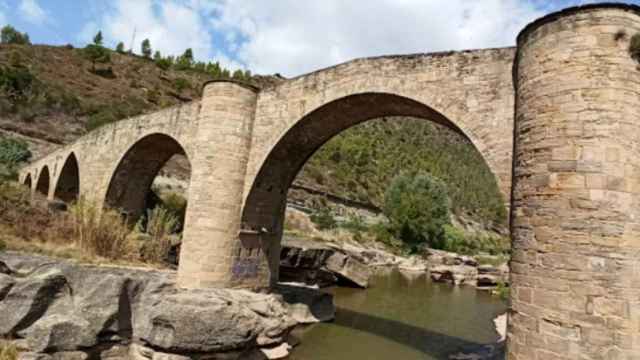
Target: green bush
[417,207]
[176,205]
[13,151]
[181,84]
[9,35]
[324,219]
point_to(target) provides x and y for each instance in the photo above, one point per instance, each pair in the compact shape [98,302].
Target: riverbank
[324,263]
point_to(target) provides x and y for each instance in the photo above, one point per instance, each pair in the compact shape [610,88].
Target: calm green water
[401,317]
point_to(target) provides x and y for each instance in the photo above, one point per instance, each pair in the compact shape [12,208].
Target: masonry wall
[100,151]
[575,268]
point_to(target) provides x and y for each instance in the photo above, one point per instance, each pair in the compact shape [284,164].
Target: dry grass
[86,232]
[8,351]
[103,233]
[161,224]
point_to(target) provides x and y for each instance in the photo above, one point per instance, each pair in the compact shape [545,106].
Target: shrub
[176,205]
[13,151]
[634,47]
[417,208]
[324,219]
[160,224]
[181,84]
[100,232]
[502,290]
[120,48]
[97,54]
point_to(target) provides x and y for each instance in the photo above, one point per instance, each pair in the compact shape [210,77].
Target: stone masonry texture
[572,151]
[576,198]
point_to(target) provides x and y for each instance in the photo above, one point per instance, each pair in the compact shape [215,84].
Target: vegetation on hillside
[360,163]
[97,86]
[13,153]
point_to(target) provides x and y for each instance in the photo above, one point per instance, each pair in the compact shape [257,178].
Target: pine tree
[97,40]
[146,48]
[120,47]
[157,56]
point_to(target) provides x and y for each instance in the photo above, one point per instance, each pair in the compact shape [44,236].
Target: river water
[401,317]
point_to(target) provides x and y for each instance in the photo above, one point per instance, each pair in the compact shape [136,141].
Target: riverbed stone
[349,268]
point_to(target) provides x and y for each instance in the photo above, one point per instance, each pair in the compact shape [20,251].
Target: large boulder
[321,264]
[307,305]
[66,310]
[454,274]
[349,268]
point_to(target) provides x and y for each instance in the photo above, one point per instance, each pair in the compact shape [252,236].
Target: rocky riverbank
[327,263]
[54,309]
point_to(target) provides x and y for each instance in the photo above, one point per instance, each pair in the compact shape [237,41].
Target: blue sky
[290,37]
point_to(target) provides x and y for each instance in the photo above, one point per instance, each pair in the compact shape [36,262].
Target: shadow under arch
[132,179]
[68,187]
[265,204]
[42,186]
[27,181]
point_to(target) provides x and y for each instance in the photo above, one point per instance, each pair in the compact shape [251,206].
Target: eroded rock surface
[57,309]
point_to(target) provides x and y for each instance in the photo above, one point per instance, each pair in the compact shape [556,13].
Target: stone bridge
[559,114]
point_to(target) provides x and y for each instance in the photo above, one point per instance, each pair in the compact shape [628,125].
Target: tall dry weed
[101,232]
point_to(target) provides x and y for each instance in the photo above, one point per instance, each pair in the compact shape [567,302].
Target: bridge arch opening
[68,186]
[42,186]
[134,186]
[266,199]
[27,181]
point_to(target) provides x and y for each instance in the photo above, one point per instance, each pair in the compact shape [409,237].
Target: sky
[289,37]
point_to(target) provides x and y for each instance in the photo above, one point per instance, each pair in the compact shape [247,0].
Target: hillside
[52,95]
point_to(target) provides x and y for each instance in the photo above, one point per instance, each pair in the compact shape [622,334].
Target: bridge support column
[575,268]
[211,252]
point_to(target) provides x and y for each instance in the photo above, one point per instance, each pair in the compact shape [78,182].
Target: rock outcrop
[63,310]
[321,264]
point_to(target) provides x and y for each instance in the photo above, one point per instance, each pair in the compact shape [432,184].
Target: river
[401,317]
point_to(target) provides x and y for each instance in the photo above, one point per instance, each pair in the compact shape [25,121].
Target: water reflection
[403,316]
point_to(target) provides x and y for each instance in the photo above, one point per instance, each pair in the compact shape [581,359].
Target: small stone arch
[265,203]
[27,181]
[68,186]
[132,179]
[42,186]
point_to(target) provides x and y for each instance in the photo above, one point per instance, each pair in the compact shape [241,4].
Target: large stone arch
[132,178]
[44,180]
[265,204]
[67,187]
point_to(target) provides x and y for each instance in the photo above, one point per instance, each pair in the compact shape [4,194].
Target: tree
[417,207]
[157,56]
[97,40]
[120,47]
[238,75]
[185,61]
[146,48]
[9,35]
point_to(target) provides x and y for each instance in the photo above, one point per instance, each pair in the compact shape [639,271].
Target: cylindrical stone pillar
[210,244]
[575,268]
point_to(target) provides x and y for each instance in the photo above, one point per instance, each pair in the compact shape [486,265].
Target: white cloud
[31,11]
[293,37]
[170,26]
